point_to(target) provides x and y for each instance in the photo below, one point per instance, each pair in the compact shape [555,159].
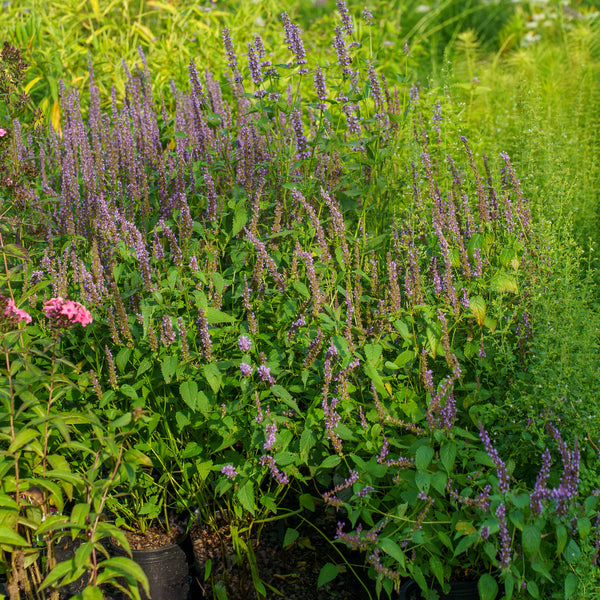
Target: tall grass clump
[305,285]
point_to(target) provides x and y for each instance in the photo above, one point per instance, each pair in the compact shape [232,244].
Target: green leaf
[448,456]
[423,457]
[532,538]
[121,565]
[509,586]
[168,368]
[59,572]
[189,393]
[122,358]
[572,552]
[307,441]
[571,584]
[79,514]
[291,535]
[373,374]
[533,589]
[51,523]
[478,307]
[465,543]
[488,587]
[240,218]
[331,461]
[245,494]
[584,527]
[129,391]
[373,352]
[213,376]
[22,438]
[539,565]
[91,593]
[561,539]
[437,568]
[328,573]
[282,393]
[213,315]
[503,282]
[393,549]
[11,538]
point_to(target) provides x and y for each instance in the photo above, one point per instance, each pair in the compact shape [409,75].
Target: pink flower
[67,312]
[3,132]
[12,310]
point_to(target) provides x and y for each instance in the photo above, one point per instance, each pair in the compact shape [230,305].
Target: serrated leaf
[532,538]
[465,527]
[122,358]
[464,544]
[437,568]
[533,589]
[189,393]
[448,456]
[168,367]
[330,462]
[477,306]
[128,391]
[214,315]
[584,527]
[423,457]
[571,584]
[245,495]
[328,573]
[240,218]
[488,587]
[561,539]
[291,535]
[213,376]
[503,282]
[393,549]
[282,393]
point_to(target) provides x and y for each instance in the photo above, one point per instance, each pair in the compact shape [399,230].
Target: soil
[291,572]
[154,537]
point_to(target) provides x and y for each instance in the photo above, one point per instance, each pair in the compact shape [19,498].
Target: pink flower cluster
[67,312]
[13,311]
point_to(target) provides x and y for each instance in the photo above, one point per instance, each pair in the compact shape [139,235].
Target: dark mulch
[291,572]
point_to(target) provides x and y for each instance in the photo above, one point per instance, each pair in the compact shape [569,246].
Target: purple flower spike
[229,471]
[498,462]
[246,369]
[244,343]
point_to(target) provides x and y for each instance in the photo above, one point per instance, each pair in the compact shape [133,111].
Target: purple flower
[253,64]
[264,373]
[484,534]
[244,343]
[540,491]
[229,471]
[346,18]
[279,476]
[367,15]
[293,40]
[320,87]
[498,462]
[504,537]
[271,430]
[246,369]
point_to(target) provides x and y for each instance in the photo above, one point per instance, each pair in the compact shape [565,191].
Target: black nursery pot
[167,572]
[460,590]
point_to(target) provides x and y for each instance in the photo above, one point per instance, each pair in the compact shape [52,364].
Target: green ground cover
[262,256]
